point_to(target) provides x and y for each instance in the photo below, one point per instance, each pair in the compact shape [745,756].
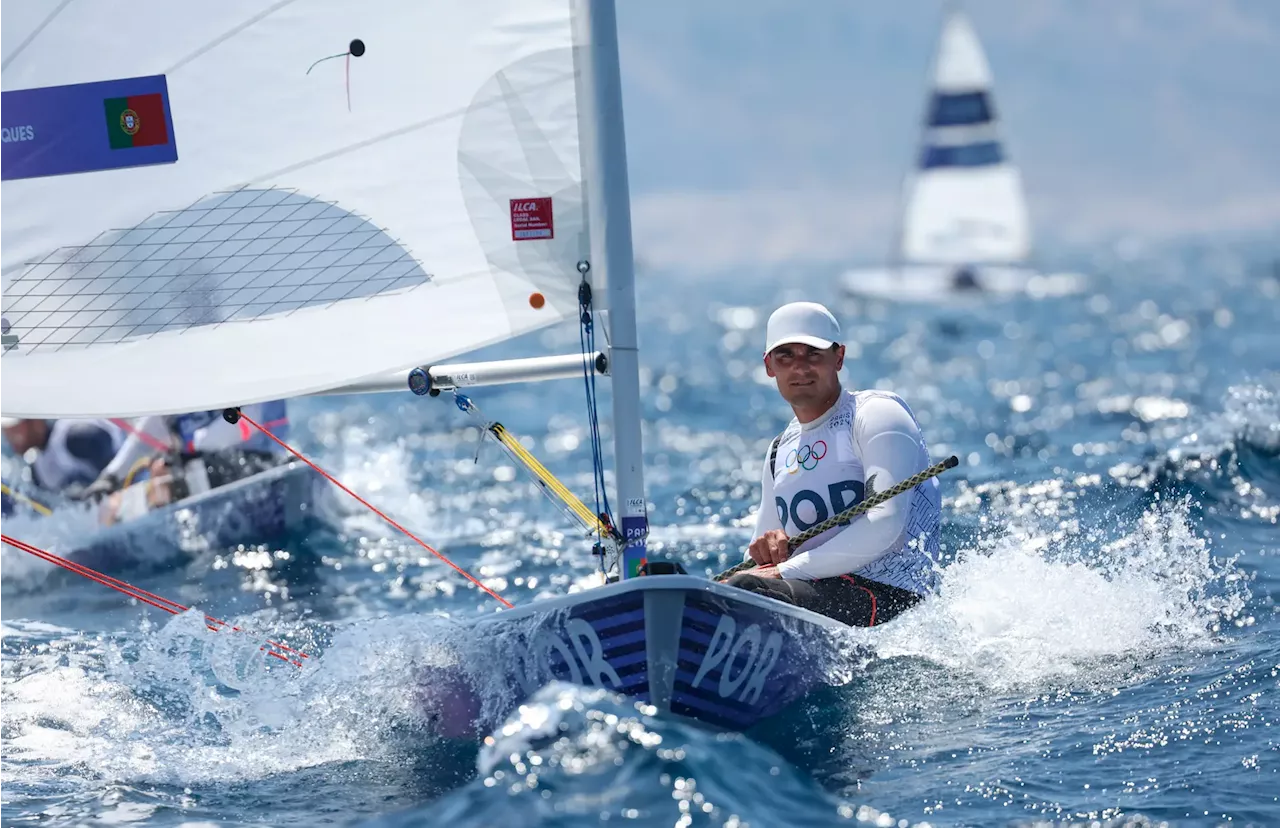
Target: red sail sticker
[531,219]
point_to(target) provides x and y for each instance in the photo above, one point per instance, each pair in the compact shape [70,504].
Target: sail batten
[223,230]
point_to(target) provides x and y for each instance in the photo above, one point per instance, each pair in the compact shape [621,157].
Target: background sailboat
[964,226]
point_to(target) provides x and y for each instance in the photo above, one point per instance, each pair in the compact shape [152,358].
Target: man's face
[806,376]
[26,435]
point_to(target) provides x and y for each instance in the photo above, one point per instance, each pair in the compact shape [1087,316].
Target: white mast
[609,217]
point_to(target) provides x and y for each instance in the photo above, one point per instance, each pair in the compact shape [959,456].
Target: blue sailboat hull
[683,644]
[261,508]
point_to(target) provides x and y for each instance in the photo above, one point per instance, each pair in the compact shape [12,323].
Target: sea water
[1103,650]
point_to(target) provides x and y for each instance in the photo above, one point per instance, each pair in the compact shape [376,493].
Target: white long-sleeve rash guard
[822,468]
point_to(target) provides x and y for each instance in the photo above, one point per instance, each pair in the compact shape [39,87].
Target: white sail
[273,223]
[964,199]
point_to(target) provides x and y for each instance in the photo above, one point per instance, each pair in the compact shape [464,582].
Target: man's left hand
[769,571]
[770,548]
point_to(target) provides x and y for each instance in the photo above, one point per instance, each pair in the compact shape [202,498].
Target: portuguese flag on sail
[136,121]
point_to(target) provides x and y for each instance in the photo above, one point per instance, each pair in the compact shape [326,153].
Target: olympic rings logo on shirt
[806,457]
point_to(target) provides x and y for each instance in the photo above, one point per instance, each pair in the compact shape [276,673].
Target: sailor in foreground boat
[838,447]
[207,452]
[71,453]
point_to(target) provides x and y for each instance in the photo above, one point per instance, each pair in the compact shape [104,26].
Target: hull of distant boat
[262,508]
[685,645]
[940,283]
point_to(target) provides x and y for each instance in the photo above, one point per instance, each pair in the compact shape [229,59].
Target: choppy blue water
[1104,648]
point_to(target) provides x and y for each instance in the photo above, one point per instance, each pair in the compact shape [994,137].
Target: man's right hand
[770,548]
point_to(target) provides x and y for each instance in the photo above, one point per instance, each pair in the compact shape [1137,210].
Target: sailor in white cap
[838,447]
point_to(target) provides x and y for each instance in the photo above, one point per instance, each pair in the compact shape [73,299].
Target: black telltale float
[356,48]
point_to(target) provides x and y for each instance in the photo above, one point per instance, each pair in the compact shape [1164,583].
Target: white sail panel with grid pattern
[220,204]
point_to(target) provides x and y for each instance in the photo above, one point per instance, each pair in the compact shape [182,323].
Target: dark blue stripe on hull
[612,618]
[622,638]
[700,618]
[624,663]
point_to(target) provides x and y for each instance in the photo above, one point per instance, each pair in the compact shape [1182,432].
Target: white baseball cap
[806,323]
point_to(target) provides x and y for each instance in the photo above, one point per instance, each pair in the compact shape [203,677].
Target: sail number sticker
[531,218]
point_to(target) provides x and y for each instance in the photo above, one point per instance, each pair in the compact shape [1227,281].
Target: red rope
[172,607]
[376,511]
[141,435]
